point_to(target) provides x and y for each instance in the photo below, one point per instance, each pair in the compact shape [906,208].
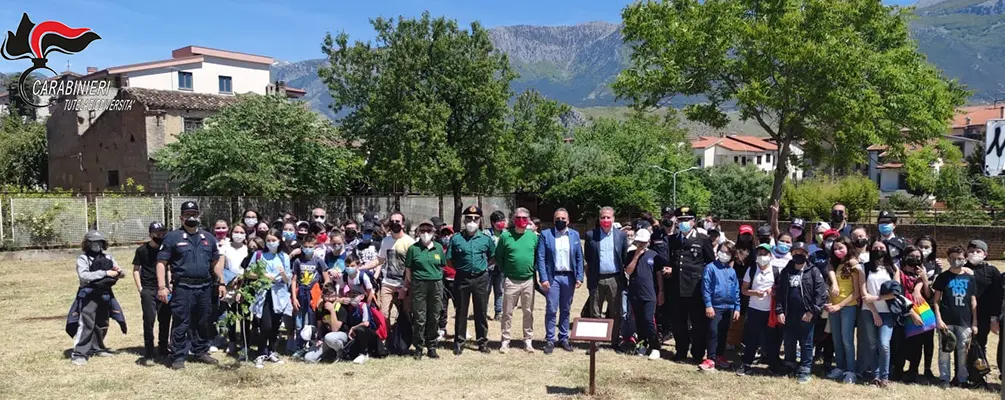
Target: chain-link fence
[47,222]
[127,219]
[211,208]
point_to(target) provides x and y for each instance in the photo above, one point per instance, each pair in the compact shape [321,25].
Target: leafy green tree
[536,149]
[585,195]
[812,198]
[262,146]
[427,100]
[740,192]
[17,104]
[24,153]
[836,75]
[949,183]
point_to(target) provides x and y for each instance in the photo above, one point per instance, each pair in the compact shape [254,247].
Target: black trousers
[928,348]
[154,310]
[268,327]
[687,319]
[903,351]
[645,312]
[190,308]
[448,294]
[471,290]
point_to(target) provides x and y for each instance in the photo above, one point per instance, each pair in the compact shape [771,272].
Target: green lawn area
[35,296]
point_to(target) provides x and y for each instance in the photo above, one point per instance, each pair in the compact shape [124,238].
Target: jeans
[154,310]
[757,332]
[718,327]
[496,286]
[962,337]
[798,331]
[448,293]
[334,341]
[627,318]
[304,316]
[559,303]
[877,356]
[843,333]
[645,313]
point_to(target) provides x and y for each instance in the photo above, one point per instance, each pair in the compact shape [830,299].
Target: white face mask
[975,258]
[958,263]
[763,260]
[471,227]
[238,237]
[426,238]
[724,257]
[863,258]
[926,252]
[250,221]
[709,225]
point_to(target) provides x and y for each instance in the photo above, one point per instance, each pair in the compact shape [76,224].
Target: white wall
[245,77]
[888,179]
[706,155]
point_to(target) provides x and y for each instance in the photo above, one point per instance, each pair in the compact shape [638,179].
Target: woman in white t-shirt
[758,282]
[877,321]
[234,254]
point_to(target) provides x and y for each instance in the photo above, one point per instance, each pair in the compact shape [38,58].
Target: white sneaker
[528,346]
[260,361]
[361,359]
[504,347]
[835,373]
[654,355]
[274,357]
[213,349]
[441,334]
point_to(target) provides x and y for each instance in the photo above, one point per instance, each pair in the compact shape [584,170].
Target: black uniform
[688,256]
[191,258]
[153,309]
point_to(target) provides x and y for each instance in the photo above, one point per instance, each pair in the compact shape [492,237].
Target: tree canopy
[832,76]
[24,153]
[427,100]
[262,146]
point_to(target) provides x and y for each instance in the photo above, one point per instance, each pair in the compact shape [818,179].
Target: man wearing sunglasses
[469,253]
[319,215]
[559,263]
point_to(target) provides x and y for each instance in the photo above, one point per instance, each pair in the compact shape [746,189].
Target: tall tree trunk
[782,170]
[439,206]
[458,203]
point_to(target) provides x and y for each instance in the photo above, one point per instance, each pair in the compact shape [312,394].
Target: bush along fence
[61,219]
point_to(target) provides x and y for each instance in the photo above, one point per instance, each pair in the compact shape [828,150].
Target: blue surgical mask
[289,235]
[783,248]
[351,271]
[367,237]
[273,246]
[885,229]
[685,227]
[308,251]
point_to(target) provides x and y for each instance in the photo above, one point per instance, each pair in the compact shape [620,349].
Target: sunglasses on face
[470,219]
[321,217]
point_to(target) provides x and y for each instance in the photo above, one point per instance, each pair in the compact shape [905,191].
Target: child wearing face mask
[234,256]
[933,267]
[758,285]
[904,349]
[780,255]
[221,230]
[955,306]
[846,276]
[877,321]
[273,303]
[721,293]
[309,274]
[800,300]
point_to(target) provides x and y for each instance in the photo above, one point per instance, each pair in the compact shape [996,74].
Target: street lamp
[674,179]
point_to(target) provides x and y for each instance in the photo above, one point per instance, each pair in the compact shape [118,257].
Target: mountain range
[575,64]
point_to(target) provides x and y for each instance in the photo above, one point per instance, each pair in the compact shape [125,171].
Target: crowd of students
[866,306]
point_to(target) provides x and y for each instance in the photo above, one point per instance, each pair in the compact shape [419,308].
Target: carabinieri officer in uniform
[196,270]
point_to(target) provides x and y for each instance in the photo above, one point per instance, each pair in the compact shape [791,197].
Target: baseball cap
[642,236]
[426,222]
[978,244]
[189,206]
[798,246]
[764,246]
[764,230]
[746,229]
[947,341]
[437,222]
[831,233]
[886,217]
[368,226]
[94,236]
[823,225]
[156,227]
[798,223]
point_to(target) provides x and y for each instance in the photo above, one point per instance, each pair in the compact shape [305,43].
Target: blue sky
[140,31]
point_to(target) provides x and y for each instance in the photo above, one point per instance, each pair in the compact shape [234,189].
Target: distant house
[94,150]
[742,150]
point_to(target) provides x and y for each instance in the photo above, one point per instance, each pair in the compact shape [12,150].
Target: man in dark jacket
[987,289]
[606,248]
[688,253]
[799,300]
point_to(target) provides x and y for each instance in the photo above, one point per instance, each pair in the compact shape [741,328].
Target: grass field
[34,298]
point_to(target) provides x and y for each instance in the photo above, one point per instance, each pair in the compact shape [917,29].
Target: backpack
[378,322]
[400,340]
[977,362]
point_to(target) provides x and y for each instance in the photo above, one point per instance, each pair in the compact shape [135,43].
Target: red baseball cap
[831,232]
[746,229]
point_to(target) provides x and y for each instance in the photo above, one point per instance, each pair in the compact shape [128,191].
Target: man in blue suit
[606,248]
[560,269]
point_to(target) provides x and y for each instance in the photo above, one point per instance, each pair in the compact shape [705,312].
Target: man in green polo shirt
[469,252]
[424,264]
[515,258]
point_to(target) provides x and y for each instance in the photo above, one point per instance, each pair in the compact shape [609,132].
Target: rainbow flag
[927,320]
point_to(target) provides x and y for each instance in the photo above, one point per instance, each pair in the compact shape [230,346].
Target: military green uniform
[426,263]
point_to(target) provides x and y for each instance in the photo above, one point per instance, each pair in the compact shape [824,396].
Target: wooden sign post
[592,330]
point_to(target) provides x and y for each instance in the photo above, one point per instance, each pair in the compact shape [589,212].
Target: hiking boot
[528,346]
[504,347]
[566,346]
[78,361]
[743,370]
[484,348]
[417,353]
[432,353]
[458,348]
[549,347]
[803,379]
[707,365]
[722,363]
[178,364]
[835,373]
[205,359]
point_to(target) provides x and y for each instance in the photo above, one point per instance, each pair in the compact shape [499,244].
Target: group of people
[340,289]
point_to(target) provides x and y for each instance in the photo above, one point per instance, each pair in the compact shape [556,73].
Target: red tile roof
[734,143]
[979,115]
[891,166]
